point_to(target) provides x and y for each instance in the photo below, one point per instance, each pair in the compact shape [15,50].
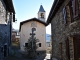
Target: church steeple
[41,9]
[41,13]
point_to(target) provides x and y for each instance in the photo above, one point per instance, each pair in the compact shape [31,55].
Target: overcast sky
[26,9]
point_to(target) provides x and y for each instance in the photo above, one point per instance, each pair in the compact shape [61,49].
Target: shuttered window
[65,15]
[75,8]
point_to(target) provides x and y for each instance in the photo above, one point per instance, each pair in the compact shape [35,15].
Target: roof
[55,7]
[32,19]
[41,9]
[10,7]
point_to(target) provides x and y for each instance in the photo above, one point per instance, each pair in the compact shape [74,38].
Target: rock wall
[61,32]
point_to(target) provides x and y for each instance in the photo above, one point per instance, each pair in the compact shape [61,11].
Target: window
[33,24]
[75,8]
[65,15]
[71,11]
[26,44]
[39,44]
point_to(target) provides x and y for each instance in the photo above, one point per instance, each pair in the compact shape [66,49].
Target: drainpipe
[10,27]
[10,21]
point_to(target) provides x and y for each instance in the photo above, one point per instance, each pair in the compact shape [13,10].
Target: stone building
[40,26]
[7,16]
[15,36]
[65,26]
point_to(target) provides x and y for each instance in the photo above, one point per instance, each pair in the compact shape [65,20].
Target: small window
[39,44]
[65,15]
[26,44]
[33,24]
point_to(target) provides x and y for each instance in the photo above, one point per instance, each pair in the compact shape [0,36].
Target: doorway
[5,51]
[76,42]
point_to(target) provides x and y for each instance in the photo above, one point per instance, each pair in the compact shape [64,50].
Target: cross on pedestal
[32,35]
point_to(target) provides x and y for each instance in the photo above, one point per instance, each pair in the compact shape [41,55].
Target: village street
[24,30]
[17,55]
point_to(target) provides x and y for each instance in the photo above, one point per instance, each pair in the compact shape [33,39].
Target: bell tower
[41,14]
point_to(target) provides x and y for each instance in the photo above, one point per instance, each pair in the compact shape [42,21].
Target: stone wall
[4,15]
[4,30]
[61,31]
[2,12]
[4,40]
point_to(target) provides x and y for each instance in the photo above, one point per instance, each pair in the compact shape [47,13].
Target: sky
[27,9]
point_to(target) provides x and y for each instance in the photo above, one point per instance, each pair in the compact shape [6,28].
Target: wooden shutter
[75,8]
[13,17]
[65,15]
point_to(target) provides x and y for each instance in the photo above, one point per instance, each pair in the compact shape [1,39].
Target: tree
[31,50]
[31,45]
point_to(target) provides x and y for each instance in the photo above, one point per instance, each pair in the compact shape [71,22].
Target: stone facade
[2,12]
[61,32]
[6,19]
[4,40]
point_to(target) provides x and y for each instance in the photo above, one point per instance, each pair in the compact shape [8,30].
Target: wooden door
[76,41]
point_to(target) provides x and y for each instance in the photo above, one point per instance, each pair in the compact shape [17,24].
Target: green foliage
[29,47]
